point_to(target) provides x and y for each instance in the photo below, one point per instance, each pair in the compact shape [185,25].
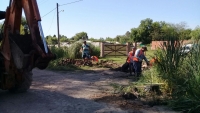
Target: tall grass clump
[95,51]
[74,50]
[188,99]
[60,52]
[181,73]
[170,62]
[151,76]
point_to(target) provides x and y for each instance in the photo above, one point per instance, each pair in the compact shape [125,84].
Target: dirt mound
[79,62]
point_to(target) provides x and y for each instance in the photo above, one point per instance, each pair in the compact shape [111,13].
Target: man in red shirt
[128,62]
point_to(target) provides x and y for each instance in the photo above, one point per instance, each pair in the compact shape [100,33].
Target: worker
[137,60]
[85,49]
[128,62]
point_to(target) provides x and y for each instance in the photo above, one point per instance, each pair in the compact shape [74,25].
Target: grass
[118,59]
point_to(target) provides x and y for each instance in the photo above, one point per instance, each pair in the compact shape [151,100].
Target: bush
[74,50]
[60,52]
[182,74]
[95,51]
[188,92]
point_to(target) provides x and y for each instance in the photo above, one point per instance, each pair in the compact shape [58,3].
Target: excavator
[21,53]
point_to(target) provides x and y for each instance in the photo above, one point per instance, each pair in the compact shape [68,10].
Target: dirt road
[68,92]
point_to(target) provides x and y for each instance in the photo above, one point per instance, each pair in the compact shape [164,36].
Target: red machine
[21,53]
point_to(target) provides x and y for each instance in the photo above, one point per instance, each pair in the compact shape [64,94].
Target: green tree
[93,39]
[144,30]
[124,39]
[101,39]
[117,38]
[195,34]
[168,31]
[156,31]
[81,35]
[51,40]
[184,34]
[128,34]
[135,37]
[109,39]
[63,38]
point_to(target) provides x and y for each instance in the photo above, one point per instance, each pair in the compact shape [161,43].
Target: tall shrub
[187,99]
[60,52]
[74,50]
[170,61]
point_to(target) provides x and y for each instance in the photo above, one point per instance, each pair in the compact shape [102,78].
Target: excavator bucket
[20,51]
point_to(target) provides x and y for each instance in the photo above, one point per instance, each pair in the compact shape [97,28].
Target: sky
[109,18]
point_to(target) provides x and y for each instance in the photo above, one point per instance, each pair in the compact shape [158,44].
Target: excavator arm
[21,53]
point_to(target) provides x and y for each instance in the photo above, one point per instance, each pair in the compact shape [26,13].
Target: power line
[48,12]
[42,2]
[71,3]
[51,22]
[62,5]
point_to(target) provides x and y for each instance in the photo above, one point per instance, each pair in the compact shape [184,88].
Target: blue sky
[109,18]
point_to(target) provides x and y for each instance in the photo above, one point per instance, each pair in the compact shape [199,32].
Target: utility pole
[58,25]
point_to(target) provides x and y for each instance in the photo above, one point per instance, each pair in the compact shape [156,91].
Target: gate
[114,49]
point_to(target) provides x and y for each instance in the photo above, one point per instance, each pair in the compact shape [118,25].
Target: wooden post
[58,26]
[102,49]
[135,44]
[127,48]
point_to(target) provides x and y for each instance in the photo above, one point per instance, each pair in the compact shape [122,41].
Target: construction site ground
[74,92]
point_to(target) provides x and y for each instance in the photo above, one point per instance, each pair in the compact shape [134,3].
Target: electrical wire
[51,22]
[48,12]
[42,2]
[62,5]
[71,3]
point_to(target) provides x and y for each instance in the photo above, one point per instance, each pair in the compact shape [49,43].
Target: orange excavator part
[22,53]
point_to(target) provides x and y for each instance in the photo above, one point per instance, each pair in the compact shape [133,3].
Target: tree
[117,38]
[124,39]
[101,39]
[144,30]
[109,39]
[156,31]
[128,34]
[184,34]
[134,35]
[93,39]
[195,34]
[168,31]
[81,35]
[51,40]
[63,38]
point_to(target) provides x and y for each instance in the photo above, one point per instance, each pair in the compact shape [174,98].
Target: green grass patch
[117,59]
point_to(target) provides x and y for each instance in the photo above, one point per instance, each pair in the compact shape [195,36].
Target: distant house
[157,44]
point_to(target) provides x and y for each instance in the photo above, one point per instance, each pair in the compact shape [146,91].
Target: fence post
[127,48]
[102,49]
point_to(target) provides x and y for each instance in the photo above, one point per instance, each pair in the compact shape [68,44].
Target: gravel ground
[69,92]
